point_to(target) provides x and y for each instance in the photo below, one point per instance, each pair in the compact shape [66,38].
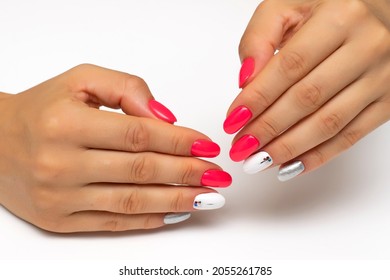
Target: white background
[187,52]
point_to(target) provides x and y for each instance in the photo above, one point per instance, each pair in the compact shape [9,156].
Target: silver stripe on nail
[290,171]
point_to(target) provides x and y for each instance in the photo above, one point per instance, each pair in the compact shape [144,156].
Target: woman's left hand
[326,88]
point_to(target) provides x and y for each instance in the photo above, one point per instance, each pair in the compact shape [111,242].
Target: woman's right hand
[66,166]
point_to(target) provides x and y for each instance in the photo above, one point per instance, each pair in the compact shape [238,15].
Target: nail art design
[290,171]
[257,162]
[247,69]
[244,147]
[174,218]
[205,148]
[161,112]
[237,119]
[208,201]
[216,178]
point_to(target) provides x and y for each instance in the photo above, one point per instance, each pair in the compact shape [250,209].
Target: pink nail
[244,147]
[205,148]
[216,178]
[247,69]
[237,119]
[162,112]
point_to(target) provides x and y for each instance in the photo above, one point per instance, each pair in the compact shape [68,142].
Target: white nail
[175,218]
[290,171]
[257,162]
[209,201]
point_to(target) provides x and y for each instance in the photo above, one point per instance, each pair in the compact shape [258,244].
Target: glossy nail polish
[205,148]
[290,171]
[162,112]
[174,218]
[237,119]
[257,162]
[244,147]
[246,71]
[216,178]
[208,201]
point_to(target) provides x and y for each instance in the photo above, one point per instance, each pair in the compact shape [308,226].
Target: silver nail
[290,171]
[175,218]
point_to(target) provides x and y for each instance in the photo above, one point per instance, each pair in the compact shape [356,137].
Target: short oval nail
[237,119]
[244,147]
[174,218]
[246,71]
[161,112]
[216,178]
[291,171]
[205,148]
[208,201]
[257,162]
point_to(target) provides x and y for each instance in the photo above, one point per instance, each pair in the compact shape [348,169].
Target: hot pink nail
[244,147]
[205,148]
[216,178]
[247,69]
[237,119]
[162,112]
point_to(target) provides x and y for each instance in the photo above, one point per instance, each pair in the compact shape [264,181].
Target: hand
[325,88]
[66,166]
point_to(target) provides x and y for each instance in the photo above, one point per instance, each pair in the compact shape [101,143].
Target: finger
[289,66]
[316,129]
[147,168]
[260,41]
[112,131]
[309,94]
[135,199]
[116,89]
[362,125]
[94,221]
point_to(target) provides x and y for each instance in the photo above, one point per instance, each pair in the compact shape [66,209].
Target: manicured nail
[290,171]
[257,162]
[174,218]
[205,148]
[247,69]
[208,201]
[216,178]
[237,119]
[162,112]
[244,147]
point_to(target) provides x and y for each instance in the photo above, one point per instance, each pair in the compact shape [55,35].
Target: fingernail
[205,148]
[208,201]
[290,171]
[174,218]
[247,69]
[237,119]
[216,178]
[162,112]
[244,147]
[257,162]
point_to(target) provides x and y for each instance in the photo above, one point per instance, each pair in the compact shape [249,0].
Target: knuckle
[114,223]
[308,97]
[319,157]
[141,170]
[149,221]
[187,174]
[262,100]
[349,138]
[177,203]
[177,144]
[45,169]
[286,151]
[292,64]
[136,136]
[269,126]
[132,83]
[330,125]
[132,203]
[354,9]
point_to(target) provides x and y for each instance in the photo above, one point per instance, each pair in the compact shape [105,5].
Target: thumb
[262,37]
[116,90]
